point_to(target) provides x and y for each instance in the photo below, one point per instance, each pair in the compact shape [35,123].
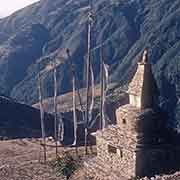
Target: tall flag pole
[42,116]
[88,63]
[102,87]
[55,105]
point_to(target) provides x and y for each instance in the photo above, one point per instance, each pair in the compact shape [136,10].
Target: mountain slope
[66,22]
[21,121]
[124,28]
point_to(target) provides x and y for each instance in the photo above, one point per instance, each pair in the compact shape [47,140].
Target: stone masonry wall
[122,161]
[126,118]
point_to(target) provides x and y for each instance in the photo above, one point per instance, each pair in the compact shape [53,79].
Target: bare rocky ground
[22,160]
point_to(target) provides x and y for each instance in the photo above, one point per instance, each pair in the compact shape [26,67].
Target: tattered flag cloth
[74,96]
[105,88]
[60,123]
[60,128]
[55,100]
[41,107]
[74,112]
[106,75]
[92,94]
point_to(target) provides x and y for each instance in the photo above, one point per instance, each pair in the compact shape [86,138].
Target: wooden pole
[55,106]
[42,116]
[102,88]
[87,82]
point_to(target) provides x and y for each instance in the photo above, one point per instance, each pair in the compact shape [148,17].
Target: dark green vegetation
[66,165]
[126,27]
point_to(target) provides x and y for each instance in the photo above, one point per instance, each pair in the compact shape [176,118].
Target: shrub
[65,165]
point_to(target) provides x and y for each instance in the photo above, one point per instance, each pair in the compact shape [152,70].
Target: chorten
[137,145]
[142,87]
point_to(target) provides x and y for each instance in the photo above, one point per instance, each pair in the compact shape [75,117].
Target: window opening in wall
[112,149]
[124,121]
[121,153]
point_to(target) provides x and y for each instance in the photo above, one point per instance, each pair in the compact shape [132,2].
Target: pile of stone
[175,176]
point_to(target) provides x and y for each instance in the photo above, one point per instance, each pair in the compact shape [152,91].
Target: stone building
[139,144]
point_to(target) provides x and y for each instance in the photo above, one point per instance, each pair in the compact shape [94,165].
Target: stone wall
[142,87]
[119,159]
[126,118]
